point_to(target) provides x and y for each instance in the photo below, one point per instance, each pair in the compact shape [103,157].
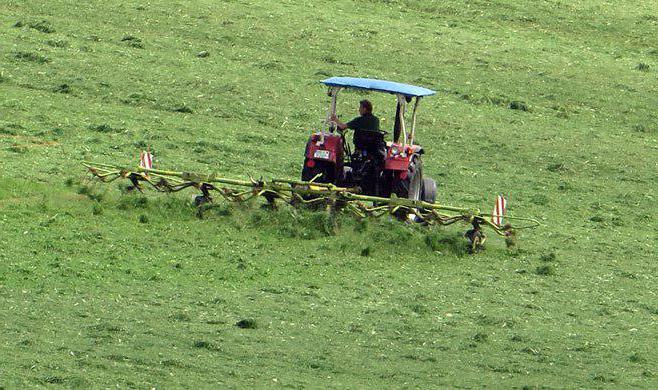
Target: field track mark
[32,141]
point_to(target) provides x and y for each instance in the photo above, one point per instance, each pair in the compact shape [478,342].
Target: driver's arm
[339,123]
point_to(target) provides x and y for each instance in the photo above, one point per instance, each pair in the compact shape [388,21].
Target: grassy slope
[91,296]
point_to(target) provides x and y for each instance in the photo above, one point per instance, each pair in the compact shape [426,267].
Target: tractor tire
[412,186]
[429,190]
[327,172]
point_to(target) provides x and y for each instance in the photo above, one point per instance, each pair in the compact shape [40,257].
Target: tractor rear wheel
[322,172]
[412,186]
[429,190]
[327,172]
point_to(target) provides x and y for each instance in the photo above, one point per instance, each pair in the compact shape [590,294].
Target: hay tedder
[381,180]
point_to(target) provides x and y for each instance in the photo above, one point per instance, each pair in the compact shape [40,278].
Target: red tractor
[392,168]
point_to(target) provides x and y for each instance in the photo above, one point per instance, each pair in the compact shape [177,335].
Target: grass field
[552,103]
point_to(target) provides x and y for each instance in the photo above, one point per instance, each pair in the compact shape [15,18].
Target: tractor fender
[408,183]
[417,149]
[399,163]
[330,150]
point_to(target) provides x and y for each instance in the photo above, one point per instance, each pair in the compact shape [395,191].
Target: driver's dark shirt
[367,135]
[367,122]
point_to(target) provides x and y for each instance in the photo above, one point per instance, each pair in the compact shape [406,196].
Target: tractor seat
[370,141]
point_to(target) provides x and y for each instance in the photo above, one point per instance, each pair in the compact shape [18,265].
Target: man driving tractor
[367,136]
[375,167]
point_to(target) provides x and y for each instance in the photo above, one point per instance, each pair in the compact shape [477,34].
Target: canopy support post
[402,102]
[333,92]
[413,121]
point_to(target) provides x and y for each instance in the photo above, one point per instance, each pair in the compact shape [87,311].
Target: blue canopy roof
[377,85]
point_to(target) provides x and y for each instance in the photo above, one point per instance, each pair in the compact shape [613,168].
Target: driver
[367,135]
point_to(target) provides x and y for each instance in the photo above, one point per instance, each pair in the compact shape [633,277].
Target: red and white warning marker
[146,160]
[499,210]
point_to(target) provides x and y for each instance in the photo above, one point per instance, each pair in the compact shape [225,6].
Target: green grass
[551,103]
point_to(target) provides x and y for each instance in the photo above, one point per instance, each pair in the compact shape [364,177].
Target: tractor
[394,169]
[379,178]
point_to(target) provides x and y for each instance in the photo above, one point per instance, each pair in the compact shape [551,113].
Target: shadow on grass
[369,236]
[295,223]
[443,241]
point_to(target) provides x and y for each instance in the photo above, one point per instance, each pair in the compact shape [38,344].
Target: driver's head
[365,107]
